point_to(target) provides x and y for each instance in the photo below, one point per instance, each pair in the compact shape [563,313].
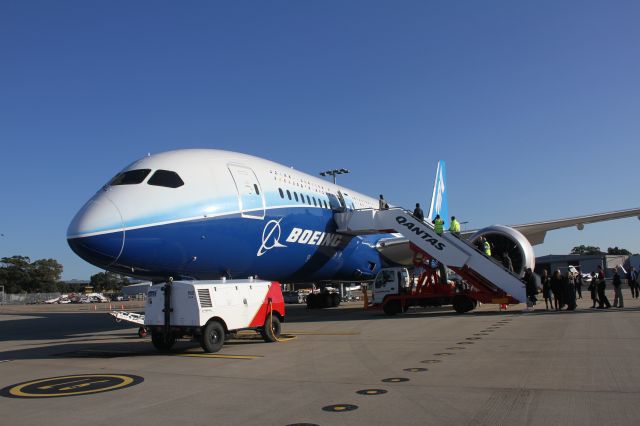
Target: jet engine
[507,240]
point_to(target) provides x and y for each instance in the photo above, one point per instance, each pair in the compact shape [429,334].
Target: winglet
[439,198]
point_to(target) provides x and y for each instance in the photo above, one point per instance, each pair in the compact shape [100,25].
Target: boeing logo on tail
[439,204]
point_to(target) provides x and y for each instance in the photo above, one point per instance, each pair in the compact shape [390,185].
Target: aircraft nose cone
[96,233]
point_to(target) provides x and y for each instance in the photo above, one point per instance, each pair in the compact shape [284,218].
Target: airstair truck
[209,311]
[490,282]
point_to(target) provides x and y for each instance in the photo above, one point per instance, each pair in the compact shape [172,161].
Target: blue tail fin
[439,198]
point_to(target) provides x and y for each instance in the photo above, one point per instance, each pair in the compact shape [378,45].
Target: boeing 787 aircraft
[205,213]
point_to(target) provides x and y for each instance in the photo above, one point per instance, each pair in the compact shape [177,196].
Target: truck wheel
[212,337]
[335,300]
[462,304]
[271,333]
[327,301]
[311,301]
[159,343]
[142,332]
[392,308]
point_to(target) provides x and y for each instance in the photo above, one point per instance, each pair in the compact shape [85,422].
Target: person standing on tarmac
[569,297]
[592,288]
[632,280]
[454,227]
[618,302]
[546,289]
[418,213]
[601,286]
[556,289]
[438,225]
[578,281]
[531,288]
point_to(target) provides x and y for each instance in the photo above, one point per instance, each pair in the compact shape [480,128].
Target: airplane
[206,213]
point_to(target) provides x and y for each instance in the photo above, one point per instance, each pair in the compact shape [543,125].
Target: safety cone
[503,307]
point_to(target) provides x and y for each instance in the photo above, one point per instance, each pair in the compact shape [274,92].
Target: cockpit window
[131,177]
[165,178]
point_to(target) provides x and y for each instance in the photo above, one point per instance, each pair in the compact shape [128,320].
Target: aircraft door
[250,197]
[346,201]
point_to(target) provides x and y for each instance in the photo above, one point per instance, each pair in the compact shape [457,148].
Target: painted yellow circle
[73,385]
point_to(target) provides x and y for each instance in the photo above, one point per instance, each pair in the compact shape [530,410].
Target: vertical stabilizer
[439,198]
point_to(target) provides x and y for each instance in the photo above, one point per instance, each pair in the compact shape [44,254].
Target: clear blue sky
[535,106]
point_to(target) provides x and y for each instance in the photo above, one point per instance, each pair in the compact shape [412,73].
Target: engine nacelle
[504,239]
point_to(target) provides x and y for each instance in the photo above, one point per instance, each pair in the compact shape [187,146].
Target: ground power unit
[209,311]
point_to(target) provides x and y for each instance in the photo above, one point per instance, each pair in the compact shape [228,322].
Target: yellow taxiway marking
[221,356]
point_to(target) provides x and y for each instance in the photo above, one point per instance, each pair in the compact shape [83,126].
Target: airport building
[586,263]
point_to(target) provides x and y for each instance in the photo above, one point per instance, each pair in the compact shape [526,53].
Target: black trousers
[602,297]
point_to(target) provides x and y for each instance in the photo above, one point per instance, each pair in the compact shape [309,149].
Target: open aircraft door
[346,200]
[250,198]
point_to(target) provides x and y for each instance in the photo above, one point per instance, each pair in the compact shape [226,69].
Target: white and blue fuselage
[204,213]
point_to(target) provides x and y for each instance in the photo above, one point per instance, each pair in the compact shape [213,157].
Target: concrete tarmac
[427,367]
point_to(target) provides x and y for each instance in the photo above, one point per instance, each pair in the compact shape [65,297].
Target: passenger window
[131,177]
[165,178]
[256,188]
[281,193]
[288,194]
[295,195]
[314,201]
[308,200]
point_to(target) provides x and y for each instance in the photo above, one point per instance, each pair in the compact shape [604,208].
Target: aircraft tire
[159,343]
[212,338]
[327,300]
[271,334]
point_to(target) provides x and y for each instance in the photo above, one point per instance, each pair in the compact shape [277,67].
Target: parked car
[119,297]
[291,297]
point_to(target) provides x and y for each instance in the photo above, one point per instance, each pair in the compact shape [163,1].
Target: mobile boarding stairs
[492,282]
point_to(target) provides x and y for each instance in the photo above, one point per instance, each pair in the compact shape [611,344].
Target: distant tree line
[582,249]
[18,274]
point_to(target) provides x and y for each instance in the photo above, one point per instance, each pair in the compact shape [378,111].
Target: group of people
[560,291]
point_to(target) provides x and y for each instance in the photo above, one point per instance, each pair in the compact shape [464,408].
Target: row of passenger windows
[304,198]
[165,178]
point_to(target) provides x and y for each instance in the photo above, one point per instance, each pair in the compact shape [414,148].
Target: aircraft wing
[535,232]
[397,248]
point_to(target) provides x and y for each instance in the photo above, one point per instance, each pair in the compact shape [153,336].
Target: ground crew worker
[438,225]
[486,247]
[454,227]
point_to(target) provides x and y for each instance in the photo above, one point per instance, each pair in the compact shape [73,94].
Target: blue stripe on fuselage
[296,244]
